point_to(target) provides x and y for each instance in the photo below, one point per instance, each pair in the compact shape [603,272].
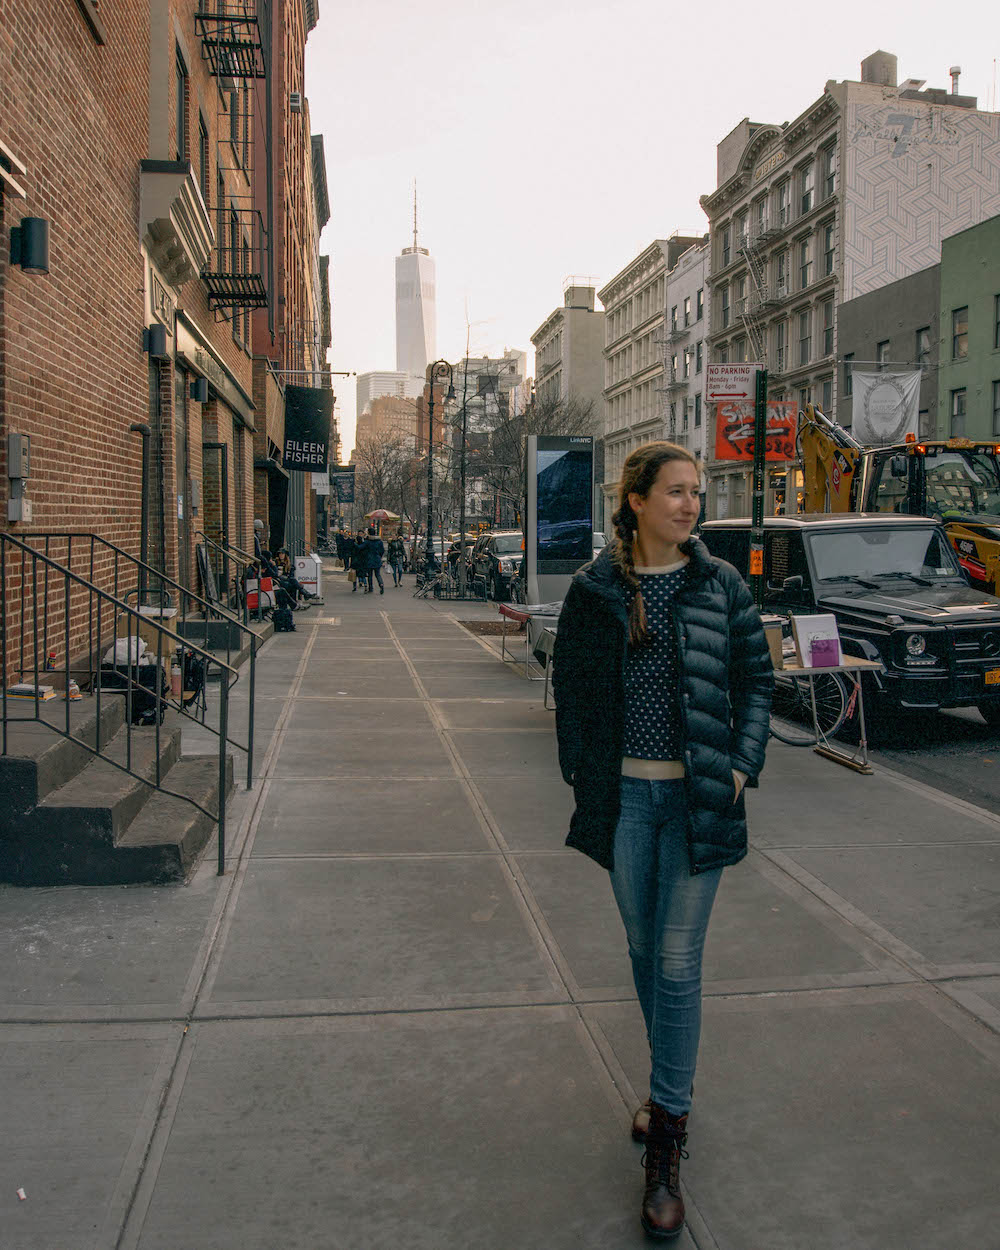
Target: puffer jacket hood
[725,688]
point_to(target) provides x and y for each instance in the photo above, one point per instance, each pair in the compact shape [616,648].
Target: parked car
[898,593]
[495,558]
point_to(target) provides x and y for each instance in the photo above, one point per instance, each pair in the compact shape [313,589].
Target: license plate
[993,677]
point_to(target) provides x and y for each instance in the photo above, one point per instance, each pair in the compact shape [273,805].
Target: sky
[550,139]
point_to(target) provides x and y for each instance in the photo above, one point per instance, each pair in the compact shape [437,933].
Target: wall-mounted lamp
[199,390]
[154,341]
[29,245]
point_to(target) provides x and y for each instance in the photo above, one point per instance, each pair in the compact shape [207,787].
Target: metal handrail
[144,573]
[228,673]
[240,557]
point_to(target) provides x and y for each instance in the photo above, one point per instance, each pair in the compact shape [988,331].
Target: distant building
[854,194]
[389,416]
[386,382]
[969,372]
[894,329]
[569,364]
[635,343]
[416,313]
[688,304]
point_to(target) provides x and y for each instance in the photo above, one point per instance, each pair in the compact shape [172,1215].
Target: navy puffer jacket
[726,681]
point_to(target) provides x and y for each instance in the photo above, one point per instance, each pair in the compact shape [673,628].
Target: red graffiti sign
[734,430]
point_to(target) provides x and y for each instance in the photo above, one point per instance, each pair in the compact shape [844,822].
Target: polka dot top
[653,727]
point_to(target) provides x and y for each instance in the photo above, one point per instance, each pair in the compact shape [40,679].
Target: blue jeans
[666,912]
[397,571]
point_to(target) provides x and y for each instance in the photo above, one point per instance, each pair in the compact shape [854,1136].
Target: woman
[374,549]
[356,555]
[663,681]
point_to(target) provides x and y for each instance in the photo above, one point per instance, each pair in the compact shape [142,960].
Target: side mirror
[897,466]
[793,583]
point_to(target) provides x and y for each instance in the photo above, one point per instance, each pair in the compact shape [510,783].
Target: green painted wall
[970,276]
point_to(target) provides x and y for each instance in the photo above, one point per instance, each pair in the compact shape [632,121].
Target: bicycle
[792,719]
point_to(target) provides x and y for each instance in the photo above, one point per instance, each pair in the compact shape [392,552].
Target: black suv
[895,586]
[495,558]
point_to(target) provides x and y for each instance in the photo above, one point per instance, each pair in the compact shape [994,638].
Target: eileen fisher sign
[308,410]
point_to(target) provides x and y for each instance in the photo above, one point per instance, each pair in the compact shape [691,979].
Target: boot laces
[661,1159]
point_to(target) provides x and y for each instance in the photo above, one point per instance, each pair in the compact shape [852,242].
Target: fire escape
[763,296]
[234,274]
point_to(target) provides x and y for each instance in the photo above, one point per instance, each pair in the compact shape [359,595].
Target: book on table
[817,640]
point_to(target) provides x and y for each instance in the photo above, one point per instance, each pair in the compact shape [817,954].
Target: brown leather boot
[640,1122]
[662,1205]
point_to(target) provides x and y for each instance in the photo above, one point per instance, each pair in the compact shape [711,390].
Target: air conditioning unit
[295,102]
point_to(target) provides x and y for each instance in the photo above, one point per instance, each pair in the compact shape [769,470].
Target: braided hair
[640,471]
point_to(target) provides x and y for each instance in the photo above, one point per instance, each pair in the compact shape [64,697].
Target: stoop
[70,818]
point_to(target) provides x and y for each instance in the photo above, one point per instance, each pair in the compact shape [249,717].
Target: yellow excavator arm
[831,457]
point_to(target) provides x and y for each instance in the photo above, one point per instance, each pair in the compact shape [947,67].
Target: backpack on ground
[283,621]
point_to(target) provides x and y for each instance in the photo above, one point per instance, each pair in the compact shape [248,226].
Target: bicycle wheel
[791,708]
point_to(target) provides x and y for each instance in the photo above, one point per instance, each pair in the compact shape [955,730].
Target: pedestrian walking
[356,557]
[397,557]
[340,539]
[374,552]
[663,681]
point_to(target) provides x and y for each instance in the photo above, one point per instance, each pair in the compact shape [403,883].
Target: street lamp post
[439,369]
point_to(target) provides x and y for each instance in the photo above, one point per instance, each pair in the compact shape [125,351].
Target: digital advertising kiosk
[559,520]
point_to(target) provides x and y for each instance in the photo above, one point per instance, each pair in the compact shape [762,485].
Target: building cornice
[651,257]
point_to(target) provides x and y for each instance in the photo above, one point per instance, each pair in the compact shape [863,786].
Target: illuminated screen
[565,520]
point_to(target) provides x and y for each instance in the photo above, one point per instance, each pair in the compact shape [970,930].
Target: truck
[955,481]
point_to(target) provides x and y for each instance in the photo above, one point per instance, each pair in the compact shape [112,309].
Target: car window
[730,545]
[961,484]
[784,557]
[890,491]
[882,552]
[507,544]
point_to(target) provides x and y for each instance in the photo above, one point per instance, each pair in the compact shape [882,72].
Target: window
[783,194]
[673,419]
[687,362]
[828,248]
[742,229]
[782,274]
[760,216]
[204,162]
[827,394]
[805,264]
[960,334]
[849,374]
[673,317]
[996,321]
[726,246]
[687,310]
[805,337]
[673,367]
[684,418]
[181,91]
[805,396]
[723,350]
[827,328]
[699,304]
[697,357]
[697,407]
[807,178]
[996,409]
[740,349]
[780,333]
[724,293]
[958,413]
[829,171]
[882,356]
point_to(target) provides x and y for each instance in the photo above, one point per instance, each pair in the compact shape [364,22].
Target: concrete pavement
[405,1016]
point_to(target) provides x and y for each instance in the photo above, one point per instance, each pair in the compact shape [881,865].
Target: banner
[321,483]
[342,478]
[886,407]
[734,430]
[308,411]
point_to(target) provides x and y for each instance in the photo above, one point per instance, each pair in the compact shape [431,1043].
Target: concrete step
[39,759]
[69,838]
[163,843]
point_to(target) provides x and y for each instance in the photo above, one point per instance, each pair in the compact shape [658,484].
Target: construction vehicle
[955,480]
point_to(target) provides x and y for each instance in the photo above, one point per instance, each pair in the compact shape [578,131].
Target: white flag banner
[886,407]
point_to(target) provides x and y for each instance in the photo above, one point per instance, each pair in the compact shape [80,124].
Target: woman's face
[670,511]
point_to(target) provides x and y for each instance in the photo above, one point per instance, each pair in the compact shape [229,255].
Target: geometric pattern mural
[912,174]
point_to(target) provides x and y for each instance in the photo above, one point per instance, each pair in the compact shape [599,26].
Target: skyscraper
[416,318]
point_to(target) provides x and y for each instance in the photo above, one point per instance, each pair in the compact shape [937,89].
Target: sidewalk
[405,1016]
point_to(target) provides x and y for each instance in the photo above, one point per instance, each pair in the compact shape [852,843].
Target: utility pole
[757,515]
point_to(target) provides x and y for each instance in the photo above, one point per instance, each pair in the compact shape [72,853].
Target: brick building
[142,157]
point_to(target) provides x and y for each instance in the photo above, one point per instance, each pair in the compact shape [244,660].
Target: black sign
[343,483]
[308,411]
